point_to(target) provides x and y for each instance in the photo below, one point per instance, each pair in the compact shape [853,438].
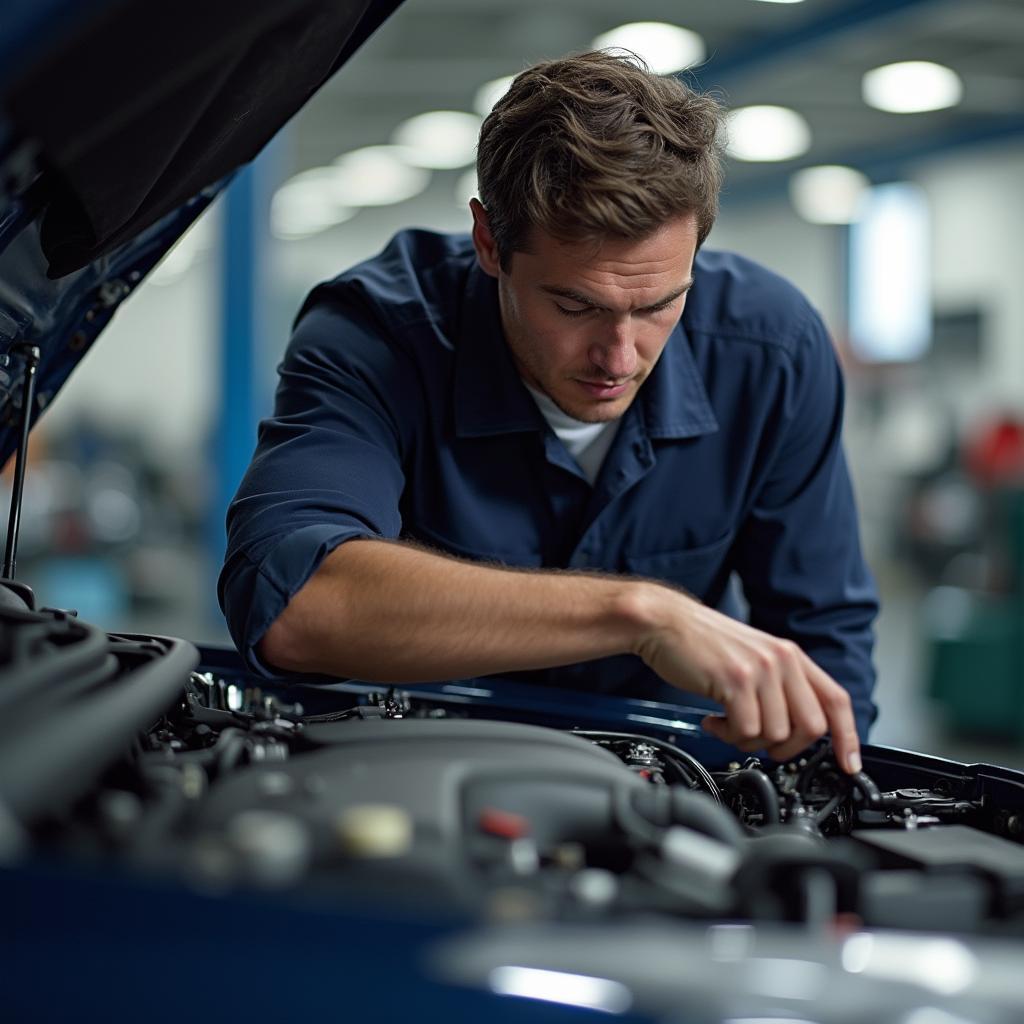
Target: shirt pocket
[694,569]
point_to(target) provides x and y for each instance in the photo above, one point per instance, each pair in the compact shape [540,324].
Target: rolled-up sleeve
[798,552]
[328,463]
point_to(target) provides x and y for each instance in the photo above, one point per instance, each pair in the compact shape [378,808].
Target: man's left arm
[798,552]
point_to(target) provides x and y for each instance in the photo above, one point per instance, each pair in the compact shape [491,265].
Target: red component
[645,773]
[994,454]
[503,824]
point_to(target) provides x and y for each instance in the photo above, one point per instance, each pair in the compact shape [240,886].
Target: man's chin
[603,413]
[595,410]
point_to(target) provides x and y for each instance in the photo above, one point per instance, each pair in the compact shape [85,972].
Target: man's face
[586,323]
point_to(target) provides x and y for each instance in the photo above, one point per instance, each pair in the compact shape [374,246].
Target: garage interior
[125,501]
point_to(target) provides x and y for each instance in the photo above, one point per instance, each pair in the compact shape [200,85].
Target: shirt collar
[491,399]
[675,401]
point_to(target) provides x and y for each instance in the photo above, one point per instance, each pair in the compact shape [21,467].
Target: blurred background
[876,159]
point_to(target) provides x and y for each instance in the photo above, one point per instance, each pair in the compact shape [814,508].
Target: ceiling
[433,54]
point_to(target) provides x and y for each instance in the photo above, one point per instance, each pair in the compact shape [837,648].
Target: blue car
[181,840]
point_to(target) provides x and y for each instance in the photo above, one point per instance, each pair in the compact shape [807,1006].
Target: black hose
[631,821]
[869,790]
[822,816]
[665,806]
[808,770]
[693,811]
[758,785]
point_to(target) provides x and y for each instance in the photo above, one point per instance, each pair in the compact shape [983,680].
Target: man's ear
[483,240]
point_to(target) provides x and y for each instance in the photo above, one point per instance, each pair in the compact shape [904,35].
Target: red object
[503,824]
[994,454]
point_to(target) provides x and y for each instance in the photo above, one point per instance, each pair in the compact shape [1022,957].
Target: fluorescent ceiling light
[828,194]
[307,204]
[489,93]
[466,188]
[781,1]
[767,133]
[294,215]
[912,87]
[378,176]
[319,198]
[442,138]
[665,48]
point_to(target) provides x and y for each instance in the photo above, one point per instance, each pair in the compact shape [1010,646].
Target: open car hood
[119,123]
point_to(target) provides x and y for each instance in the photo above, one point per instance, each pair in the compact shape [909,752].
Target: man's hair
[596,146]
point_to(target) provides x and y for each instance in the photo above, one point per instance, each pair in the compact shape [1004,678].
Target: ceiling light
[912,87]
[324,196]
[489,93]
[442,138]
[829,194]
[378,176]
[665,48]
[782,1]
[307,204]
[767,133]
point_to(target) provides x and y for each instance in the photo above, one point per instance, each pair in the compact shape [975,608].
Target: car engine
[112,746]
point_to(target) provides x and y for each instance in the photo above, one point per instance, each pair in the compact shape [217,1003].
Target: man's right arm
[392,612]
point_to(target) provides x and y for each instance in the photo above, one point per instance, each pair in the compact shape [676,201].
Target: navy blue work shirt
[400,414]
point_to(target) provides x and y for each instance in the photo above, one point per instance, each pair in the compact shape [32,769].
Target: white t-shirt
[588,443]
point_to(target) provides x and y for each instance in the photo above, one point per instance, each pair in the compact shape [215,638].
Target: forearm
[392,612]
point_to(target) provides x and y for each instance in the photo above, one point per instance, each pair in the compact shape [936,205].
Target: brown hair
[596,145]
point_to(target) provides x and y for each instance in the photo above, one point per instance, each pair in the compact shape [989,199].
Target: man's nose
[615,351]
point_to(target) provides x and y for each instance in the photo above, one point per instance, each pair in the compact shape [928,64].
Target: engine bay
[113,748]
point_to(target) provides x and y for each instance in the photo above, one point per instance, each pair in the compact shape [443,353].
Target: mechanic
[547,448]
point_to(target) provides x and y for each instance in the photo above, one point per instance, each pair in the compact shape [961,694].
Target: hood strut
[30,353]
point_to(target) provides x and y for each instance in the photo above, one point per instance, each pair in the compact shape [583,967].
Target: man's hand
[776,699]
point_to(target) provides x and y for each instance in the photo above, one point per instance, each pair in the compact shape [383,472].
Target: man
[548,448]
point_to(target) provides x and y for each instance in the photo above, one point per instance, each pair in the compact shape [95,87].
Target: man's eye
[573,312]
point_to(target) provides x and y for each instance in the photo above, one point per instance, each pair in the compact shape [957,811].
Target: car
[180,838]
